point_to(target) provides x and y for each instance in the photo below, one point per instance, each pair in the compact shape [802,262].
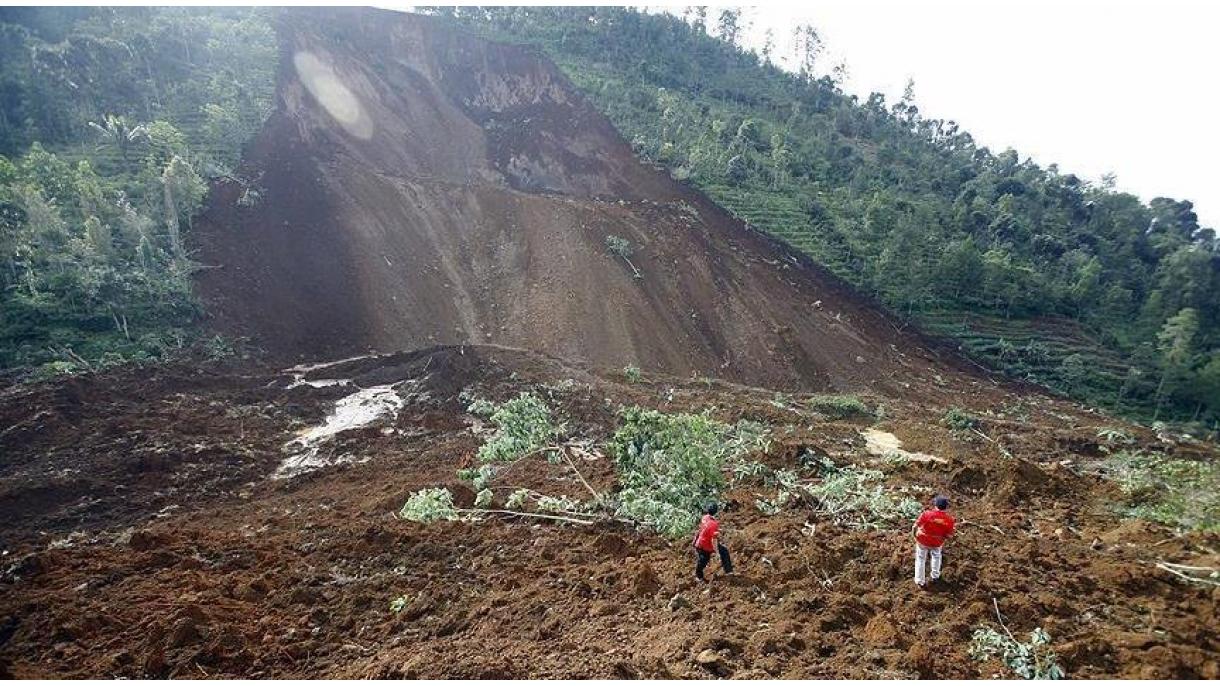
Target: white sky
[1118,86]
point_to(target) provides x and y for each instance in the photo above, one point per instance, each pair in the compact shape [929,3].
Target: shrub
[516,500]
[1112,436]
[632,373]
[478,477]
[1033,660]
[1175,492]
[670,465]
[483,498]
[523,425]
[839,406]
[958,419]
[429,505]
[855,497]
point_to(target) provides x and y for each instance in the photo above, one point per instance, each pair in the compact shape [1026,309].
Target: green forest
[113,122]
[1034,271]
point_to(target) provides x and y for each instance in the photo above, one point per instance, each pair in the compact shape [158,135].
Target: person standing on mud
[931,530]
[707,541]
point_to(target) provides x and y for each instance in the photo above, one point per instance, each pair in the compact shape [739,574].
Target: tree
[1074,372]
[807,45]
[184,191]
[621,247]
[1175,342]
[1206,387]
[736,171]
[961,268]
[768,46]
[120,133]
[729,25]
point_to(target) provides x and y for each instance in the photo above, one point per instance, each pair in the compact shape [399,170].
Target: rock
[154,663]
[880,631]
[145,540]
[712,662]
[184,632]
[303,595]
[678,602]
[644,580]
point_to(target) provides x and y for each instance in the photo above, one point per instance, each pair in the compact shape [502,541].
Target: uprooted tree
[617,245]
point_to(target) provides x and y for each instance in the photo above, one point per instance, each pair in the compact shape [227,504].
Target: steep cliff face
[420,186]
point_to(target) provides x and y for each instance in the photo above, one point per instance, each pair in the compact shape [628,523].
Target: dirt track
[170,552]
[463,193]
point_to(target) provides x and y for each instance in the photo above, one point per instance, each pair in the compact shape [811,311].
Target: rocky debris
[713,662]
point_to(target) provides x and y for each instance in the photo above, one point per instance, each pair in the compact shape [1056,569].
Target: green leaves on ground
[671,465]
[1032,660]
[1176,492]
[523,425]
[849,496]
[429,505]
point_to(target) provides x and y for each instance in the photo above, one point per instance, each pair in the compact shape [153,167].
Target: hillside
[439,377]
[908,208]
[468,197]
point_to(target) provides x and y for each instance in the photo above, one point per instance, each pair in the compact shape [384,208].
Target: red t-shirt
[708,527]
[933,527]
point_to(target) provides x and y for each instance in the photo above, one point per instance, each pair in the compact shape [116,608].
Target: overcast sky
[1125,87]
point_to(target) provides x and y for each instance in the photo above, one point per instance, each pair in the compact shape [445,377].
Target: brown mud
[144,536]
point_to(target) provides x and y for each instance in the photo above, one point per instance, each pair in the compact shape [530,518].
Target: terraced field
[781,215]
[1036,350]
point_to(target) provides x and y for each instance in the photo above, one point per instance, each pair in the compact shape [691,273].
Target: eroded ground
[146,535]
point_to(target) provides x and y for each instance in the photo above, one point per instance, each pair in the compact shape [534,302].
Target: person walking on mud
[707,541]
[931,531]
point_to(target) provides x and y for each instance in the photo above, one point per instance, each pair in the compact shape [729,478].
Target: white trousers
[922,552]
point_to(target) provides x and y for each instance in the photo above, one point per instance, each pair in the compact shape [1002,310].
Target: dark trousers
[705,556]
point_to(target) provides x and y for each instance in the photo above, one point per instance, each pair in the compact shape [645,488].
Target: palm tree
[116,130]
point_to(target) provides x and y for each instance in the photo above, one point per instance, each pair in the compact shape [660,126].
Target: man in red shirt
[707,541]
[931,530]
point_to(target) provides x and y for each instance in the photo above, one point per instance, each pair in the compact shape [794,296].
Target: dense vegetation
[1036,271]
[111,120]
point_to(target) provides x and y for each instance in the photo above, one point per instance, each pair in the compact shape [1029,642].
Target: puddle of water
[298,373]
[359,409]
[299,381]
[882,443]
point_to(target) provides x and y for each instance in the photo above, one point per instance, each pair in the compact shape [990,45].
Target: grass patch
[958,419]
[839,406]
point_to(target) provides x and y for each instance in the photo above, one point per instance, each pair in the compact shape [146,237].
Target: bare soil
[144,536]
[470,204]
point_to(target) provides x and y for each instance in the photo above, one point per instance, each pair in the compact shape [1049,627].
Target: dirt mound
[417,186]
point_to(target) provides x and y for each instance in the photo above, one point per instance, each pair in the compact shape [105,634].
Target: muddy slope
[418,186]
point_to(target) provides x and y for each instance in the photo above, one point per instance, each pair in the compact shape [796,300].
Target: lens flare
[337,99]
